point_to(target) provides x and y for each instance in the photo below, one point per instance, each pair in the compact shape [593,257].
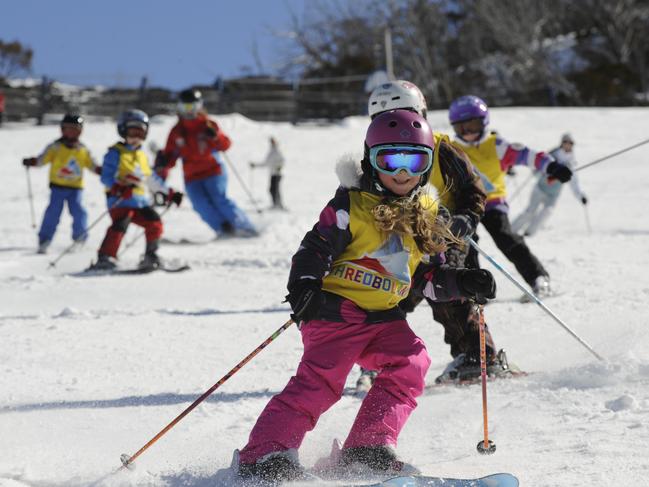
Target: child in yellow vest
[347,279]
[127,176]
[67,157]
[493,156]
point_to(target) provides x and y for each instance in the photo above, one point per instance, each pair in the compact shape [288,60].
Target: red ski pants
[145,217]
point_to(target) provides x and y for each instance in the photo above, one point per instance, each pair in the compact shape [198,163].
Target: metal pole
[243,184]
[389,61]
[74,244]
[485,446]
[31,196]
[601,159]
[128,460]
[533,297]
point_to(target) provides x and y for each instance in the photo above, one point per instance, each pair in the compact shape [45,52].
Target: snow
[94,367]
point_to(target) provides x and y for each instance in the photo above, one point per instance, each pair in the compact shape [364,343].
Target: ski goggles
[138,132]
[189,110]
[471,126]
[392,159]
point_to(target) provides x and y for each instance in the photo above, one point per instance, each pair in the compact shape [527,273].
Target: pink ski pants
[330,351]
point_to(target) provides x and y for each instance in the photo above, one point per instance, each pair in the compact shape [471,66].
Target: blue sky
[175,43]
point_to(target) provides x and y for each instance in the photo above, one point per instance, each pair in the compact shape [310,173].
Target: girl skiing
[493,156]
[546,193]
[345,284]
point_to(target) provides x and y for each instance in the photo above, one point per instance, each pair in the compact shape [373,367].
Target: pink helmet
[399,127]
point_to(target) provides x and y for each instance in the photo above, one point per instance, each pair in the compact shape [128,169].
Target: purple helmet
[468,107]
[399,127]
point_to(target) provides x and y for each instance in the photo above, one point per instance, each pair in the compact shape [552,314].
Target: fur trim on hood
[349,172]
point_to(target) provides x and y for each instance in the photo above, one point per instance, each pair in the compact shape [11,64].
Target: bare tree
[14,59]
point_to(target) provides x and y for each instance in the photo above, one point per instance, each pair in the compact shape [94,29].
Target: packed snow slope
[93,367]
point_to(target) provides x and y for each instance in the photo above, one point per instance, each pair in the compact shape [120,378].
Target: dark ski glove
[305,297]
[461,226]
[30,161]
[584,200]
[558,171]
[476,283]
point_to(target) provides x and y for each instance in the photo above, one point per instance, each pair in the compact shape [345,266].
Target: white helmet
[394,95]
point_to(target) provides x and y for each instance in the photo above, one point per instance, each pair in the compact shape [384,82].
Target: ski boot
[466,368]
[380,459]
[150,261]
[42,246]
[541,289]
[281,466]
[104,263]
[365,381]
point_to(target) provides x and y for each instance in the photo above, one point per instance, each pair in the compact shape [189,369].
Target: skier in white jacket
[275,162]
[546,192]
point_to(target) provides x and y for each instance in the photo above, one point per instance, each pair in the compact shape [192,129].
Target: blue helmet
[468,107]
[132,118]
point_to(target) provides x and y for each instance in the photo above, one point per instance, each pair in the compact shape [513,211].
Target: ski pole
[31,196]
[85,234]
[243,184]
[602,159]
[128,460]
[533,297]
[136,239]
[485,446]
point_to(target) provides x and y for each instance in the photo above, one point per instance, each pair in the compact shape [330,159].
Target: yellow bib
[66,164]
[436,179]
[374,270]
[132,162]
[485,158]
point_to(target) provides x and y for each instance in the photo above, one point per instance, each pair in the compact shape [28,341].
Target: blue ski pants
[58,198]
[213,206]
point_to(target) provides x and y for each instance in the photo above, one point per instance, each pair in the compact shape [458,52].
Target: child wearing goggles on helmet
[127,176]
[346,281]
[67,158]
[199,141]
[493,156]
[462,193]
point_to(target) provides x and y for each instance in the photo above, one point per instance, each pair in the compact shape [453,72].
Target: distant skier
[492,156]
[546,192]
[67,157]
[345,284]
[125,172]
[196,139]
[274,162]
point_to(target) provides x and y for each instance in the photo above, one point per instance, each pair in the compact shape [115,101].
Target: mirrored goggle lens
[473,126]
[189,108]
[394,160]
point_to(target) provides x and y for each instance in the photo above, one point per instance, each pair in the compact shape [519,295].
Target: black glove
[476,283]
[211,131]
[175,197]
[98,170]
[461,226]
[305,297]
[30,161]
[584,200]
[558,171]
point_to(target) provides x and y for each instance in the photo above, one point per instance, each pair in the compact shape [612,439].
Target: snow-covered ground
[94,367]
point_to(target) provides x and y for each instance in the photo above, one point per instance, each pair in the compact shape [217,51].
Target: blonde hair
[408,216]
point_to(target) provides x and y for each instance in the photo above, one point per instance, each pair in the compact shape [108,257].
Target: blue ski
[496,480]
